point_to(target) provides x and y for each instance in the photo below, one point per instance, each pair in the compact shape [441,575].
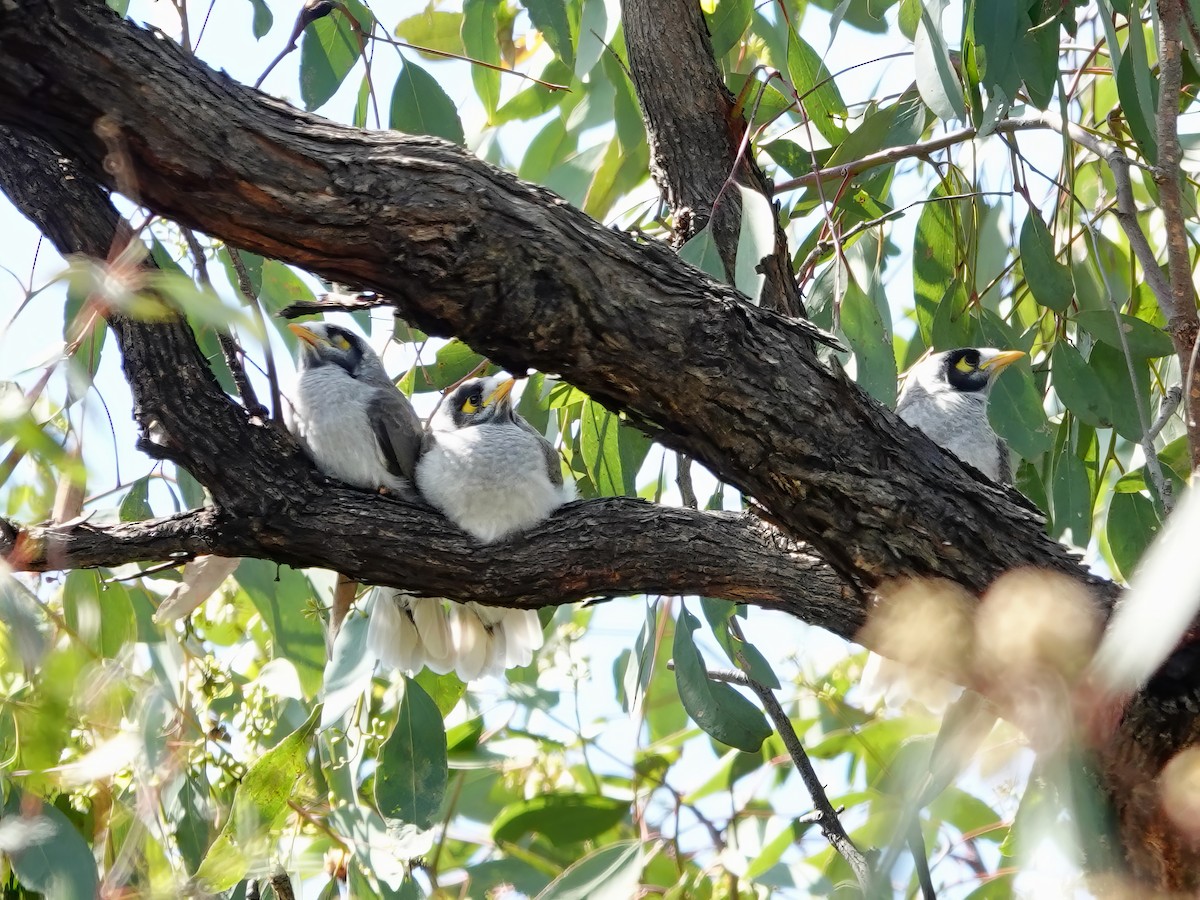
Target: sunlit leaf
[420,106]
[727,23]
[479,27]
[869,335]
[436,29]
[136,505]
[348,673]
[280,594]
[701,251]
[756,239]
[565,818]
[818,92]
[936,79]
[610,873]
[1138,91]
[328,51]
[552,19]
[935,258]
[260,798]
[46,852]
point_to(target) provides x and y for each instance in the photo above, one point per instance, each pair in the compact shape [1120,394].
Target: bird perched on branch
[946,396]
[358,428]
[492,474]
[354,423]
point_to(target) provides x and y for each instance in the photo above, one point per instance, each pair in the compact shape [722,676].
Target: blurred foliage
[197,754]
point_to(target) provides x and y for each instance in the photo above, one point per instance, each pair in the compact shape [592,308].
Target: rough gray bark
[695,130]
[464,249]
[272,503]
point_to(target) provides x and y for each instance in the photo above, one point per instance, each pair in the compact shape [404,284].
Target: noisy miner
[945,395]
[492,474]
[358,428]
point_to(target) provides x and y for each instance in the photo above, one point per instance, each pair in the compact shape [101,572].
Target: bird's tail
[408,633]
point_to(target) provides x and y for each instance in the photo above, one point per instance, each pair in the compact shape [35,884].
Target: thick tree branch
[598,548]
[467,250]
[696,132]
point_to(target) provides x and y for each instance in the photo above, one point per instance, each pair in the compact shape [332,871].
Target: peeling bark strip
[465,249]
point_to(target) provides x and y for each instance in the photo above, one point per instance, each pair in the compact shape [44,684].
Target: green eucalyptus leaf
[1077,386]
[420,106]
[716,707]
[480,40]
[818,92]
[1132,526]
[564,818]
[701,251]
[1071,494]
[259,800]
[727,23]
[410,782]
[612,872]
[330,48]
[553,19]
[46,852]
[756,240]
[1049,280]
[1143,339]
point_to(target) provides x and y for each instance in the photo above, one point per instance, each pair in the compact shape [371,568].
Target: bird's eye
[339,341]
[965,365]
[471,404]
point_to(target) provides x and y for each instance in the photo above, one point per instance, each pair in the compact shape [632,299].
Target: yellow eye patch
[340,342]
[963,366]
[469,406]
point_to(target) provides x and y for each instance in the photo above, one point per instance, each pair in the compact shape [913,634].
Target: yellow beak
[500,392]
[1001,361]
[309,337]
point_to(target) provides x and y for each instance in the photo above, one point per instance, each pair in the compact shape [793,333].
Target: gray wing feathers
[397,429]
[553,469]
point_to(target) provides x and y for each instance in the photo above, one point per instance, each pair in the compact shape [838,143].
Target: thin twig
[230,348]
[1041,121]
[250,297]
[310,12]
[549,85]
[831,825]
[1166,409]
[683,480]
